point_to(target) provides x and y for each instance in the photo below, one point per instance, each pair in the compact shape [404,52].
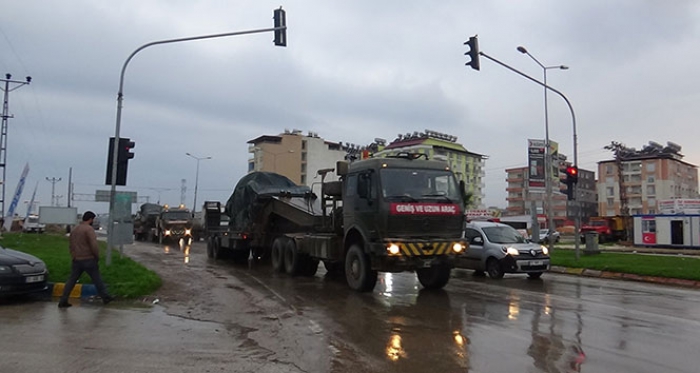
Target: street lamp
[548,156]
[196,180]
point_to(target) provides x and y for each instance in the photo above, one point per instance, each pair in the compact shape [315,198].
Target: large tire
[293,261]
[358,271]
[277,254]
[217,252]
[435,277]
[494,269]
[210,248]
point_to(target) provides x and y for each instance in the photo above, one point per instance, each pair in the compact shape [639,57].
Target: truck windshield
[177,215]
[414,185]
[503,234]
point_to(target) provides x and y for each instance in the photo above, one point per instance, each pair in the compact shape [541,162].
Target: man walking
[85,254]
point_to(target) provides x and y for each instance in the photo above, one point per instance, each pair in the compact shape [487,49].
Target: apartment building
[296,156]
[467,166]
[654,173]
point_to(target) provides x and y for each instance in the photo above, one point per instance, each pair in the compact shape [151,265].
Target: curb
[624,276]
[79,291]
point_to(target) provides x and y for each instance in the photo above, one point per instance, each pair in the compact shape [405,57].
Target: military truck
[174,224]
[145,221]
[394,214]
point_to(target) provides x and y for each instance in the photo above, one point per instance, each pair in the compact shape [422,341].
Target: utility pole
[10,85]
[53,181]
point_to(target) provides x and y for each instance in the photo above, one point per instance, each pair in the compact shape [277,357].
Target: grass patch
[645,265]
[124,277]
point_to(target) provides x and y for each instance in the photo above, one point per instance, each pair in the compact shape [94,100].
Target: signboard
[103,196]
[535,162]
[679,206]
[424,209]
[58,215]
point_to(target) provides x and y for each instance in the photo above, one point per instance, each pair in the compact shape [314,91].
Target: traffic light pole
[577,207]
[120,98]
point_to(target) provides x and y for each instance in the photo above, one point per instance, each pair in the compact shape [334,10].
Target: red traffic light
[572,170]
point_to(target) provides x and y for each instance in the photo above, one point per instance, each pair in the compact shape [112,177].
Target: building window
[651,167]
[608,169]
[303,179]
[610,191]
[610,212]
[303,145]
[611,201]
[610,180]
[303,168]
[651,190]
[650,179]
[303,156]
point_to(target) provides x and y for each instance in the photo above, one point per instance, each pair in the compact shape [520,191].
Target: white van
[497,249]
[32,225]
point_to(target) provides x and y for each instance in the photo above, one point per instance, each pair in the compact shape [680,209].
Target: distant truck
[393,214]
[31,224]
[609,228]
[174,224]
[145,221]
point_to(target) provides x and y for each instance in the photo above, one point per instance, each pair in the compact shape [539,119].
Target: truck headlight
[188,232]
[457,247]
[512,251]
[393,249]
[167,232]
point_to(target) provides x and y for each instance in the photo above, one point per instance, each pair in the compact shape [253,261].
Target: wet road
[216,316]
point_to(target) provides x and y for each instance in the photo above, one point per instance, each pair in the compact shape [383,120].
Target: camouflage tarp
[249,196]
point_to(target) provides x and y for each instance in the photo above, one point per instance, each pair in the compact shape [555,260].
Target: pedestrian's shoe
[64,304]
[107,299]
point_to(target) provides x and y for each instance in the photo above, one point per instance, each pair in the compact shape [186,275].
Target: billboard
[535,163]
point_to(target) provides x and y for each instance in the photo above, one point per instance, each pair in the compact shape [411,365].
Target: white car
[544,236]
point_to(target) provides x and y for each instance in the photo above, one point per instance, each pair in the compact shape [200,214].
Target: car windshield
[503,234]
[417,185]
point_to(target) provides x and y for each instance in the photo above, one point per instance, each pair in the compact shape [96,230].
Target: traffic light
[123,155]
[571,181]
[473,53]
[281,27]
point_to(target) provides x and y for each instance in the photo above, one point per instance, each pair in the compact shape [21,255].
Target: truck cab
[174,224]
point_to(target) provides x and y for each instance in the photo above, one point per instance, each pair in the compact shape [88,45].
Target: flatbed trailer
[358,226]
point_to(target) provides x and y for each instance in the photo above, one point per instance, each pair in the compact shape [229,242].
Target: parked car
[497,249]
[544,236]
[21,273]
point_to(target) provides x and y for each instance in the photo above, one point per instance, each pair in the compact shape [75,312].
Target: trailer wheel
[277,254]
[435,277]
[293,262]
[216,249]
[358,272]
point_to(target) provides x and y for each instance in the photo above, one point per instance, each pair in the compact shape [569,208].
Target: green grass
[646,265]
[124,277]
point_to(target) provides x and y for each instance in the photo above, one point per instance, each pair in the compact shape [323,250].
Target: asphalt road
[215,316]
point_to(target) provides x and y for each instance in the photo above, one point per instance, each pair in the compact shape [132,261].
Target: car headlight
[545,250]
[5,270]
[512,251]
[457,247]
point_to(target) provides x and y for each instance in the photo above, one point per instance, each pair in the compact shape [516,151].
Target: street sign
[103,196]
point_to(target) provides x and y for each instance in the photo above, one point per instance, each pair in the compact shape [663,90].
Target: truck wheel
[210,249]
[493,267]
[217,253]
[435,277]
[293,262]
[358,272]
[277,254]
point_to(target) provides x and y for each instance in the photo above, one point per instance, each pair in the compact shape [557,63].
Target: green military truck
[174,224]
[394,214]
[145,221]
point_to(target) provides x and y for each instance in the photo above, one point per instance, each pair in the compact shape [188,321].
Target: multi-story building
[467,166]
[649,175]
[296,156]
[520,197]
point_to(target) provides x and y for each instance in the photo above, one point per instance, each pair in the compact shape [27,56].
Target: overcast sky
[352,71]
